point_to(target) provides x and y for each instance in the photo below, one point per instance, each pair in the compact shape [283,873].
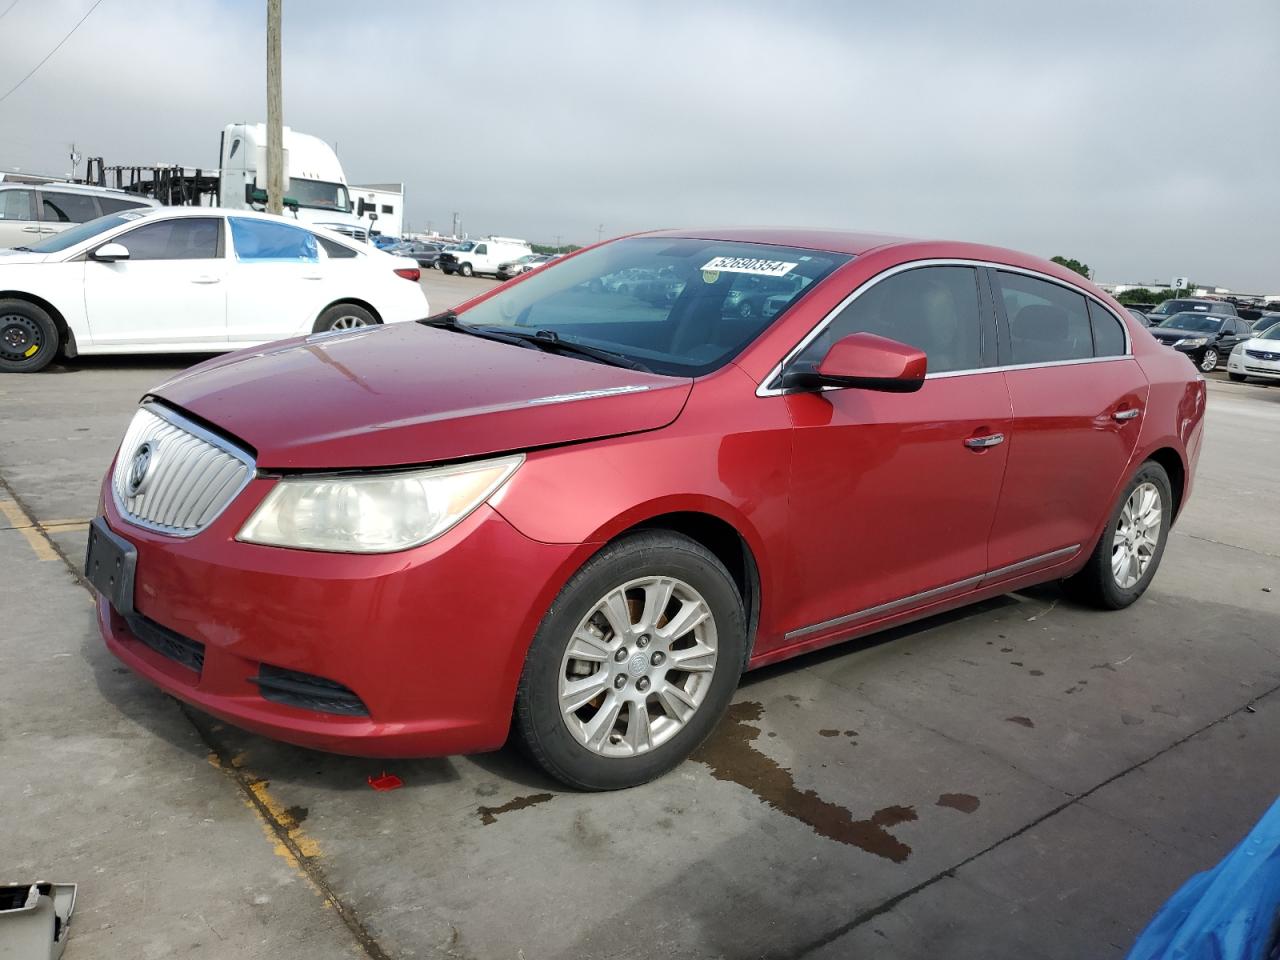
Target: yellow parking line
[19,521]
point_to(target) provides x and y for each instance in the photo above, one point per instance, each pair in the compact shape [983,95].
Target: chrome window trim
[764,390]
[917,598]
[182,423]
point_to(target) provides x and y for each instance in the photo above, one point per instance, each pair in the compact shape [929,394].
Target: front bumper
[1253,367]
[432,640]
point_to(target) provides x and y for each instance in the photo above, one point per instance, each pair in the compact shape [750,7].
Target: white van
[482,256]
[32,211]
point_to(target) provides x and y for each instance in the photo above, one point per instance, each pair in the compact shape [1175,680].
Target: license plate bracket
[110,564]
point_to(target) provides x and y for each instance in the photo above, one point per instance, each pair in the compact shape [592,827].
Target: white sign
[1180,282]
[763,268]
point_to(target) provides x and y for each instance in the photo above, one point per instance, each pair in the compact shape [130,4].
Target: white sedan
[1258,357]
[192,279]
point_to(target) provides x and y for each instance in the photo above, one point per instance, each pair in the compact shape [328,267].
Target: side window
[932,308]
[334,250]
[68,207]
[17,205]
[117,204]
[1047,322]
[262,240]
[1108,335]
[187,238]
[482,250]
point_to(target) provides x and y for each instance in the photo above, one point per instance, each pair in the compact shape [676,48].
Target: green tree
[1076,265]
[1143,295]
[547,248]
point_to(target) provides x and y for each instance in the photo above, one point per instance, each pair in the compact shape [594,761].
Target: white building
[384,199]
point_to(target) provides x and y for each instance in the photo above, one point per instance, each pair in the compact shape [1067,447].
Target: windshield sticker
[710,276]
[762,268]
[130,216]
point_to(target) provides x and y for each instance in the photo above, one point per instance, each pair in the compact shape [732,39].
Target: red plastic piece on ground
[388,781]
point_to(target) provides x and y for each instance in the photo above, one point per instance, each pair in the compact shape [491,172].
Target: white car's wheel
[344,316]
[28,337]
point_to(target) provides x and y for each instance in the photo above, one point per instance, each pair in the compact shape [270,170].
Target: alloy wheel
[348,322]
[1209,362]
[1137,535]
[638,666]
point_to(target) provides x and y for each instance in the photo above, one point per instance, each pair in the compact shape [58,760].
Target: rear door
[19,222]
[893,494]
[277,284]
[1078,402]
[59,210]
[169,291]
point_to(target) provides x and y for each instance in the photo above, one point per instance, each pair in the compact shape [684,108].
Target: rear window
[265,241]
[334,250]
[116,204]
[1047,322]
[67,207]
[1108,334]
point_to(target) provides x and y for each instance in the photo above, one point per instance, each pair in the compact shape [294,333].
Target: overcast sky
[1140,137]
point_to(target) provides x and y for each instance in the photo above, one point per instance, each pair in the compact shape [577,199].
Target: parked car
[1259,356]
[521,265]
[1138,315]
[426,255]
[1192,305]
[31,212]
[482,256]
[1204,337]
[383,242]
[575,513]
[191,279]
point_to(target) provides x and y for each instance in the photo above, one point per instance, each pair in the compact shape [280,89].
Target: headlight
[1193,341]
[377,513]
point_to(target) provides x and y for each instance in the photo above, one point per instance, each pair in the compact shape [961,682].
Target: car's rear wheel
[1128,553]
[28,337]
[1237,377]
[344,316]
[466,270]
[634,663]
[1209,362]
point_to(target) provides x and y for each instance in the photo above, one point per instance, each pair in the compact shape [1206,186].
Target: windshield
[318,194]
[460,247]
[1266,322]
[1195,322]
[673,305]
[70,237]
[1178,306]
[1272,333]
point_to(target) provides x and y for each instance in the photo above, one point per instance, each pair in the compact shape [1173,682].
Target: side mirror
[864,361]
[111,252]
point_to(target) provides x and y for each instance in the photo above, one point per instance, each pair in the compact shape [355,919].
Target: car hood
[21,256]
[410,394]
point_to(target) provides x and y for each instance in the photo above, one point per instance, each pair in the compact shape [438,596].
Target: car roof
[86,188]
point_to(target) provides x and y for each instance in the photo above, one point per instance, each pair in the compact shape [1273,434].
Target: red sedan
[591,498]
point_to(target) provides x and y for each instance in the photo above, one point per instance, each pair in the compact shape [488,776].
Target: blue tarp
[1231,912]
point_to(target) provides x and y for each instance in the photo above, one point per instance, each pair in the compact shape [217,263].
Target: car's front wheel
[28,337]
[634,663]
[1128,553]
[1209,362]
[466,270]
[344,316]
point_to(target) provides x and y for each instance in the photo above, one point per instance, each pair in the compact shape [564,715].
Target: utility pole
[599,233]
[75,162]
[455,223]
[275,113]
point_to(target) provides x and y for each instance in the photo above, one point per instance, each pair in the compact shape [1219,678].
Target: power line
[8,8]
[14,88]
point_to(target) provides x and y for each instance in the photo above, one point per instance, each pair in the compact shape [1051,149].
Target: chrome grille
[189,477]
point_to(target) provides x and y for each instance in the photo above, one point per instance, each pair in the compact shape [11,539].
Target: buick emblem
[140,468]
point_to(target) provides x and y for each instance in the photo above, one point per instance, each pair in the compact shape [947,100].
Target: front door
[893,494]
[170,290]
[1078,400]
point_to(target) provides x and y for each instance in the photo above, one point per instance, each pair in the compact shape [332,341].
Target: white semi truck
[315,186]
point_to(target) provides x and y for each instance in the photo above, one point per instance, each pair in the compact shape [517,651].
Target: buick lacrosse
[580,506]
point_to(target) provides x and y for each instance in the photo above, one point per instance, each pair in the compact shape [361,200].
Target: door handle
[981,443]
[1129,414]
[206,279]
[312,276]
[30,229]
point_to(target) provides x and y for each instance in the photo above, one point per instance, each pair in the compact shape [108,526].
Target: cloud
[1126,135]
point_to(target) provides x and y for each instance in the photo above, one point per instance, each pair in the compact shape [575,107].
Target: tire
[1209,361]
[344,316]
[29,338]
[466,270]
[1098,583]
[576,619]
[1237,377]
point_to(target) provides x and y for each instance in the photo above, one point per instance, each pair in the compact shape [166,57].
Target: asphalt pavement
[1025,778]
